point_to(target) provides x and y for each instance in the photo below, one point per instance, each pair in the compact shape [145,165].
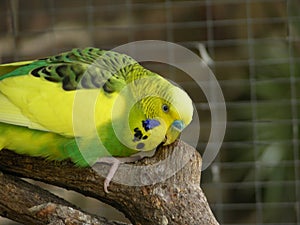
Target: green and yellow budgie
[45,108]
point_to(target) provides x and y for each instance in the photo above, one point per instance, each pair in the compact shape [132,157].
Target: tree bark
[172,194]
[29,204]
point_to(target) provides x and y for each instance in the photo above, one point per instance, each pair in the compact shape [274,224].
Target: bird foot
[115,163]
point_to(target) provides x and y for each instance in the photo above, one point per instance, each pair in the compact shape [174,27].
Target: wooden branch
[175,200]
[30,204]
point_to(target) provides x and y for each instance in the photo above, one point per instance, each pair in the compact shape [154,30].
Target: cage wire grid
[255,48]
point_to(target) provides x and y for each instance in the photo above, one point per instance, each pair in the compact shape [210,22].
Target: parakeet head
[161,115]
[179,114]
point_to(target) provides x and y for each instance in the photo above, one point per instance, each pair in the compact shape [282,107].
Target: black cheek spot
[140,145]
[137,134]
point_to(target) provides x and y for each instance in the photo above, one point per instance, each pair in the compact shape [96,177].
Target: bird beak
[174,131]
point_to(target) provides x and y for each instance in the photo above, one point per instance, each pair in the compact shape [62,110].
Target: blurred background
[254,46]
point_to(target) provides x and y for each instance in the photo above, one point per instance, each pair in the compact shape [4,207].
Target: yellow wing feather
[43,105]
[11,114]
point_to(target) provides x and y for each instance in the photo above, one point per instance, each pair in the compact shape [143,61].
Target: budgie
[135,110]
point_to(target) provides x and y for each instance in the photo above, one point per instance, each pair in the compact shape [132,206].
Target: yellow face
[154,119]
[176,114]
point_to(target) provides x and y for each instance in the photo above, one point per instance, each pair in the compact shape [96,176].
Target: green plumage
[61,106]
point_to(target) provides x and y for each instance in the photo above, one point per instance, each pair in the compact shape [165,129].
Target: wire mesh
[255,47]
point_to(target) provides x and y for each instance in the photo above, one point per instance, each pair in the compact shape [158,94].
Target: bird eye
[165,108]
